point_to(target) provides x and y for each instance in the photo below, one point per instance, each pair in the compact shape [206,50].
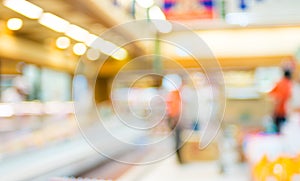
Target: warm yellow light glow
[120,54]
[24,7]
[156,13]
[77,33]
[159,20]
[63,42]
[79,49]
[107,47]
[54,22]
[93,54]
[14,24]
[90,40]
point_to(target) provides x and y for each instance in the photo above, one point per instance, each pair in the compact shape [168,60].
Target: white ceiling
[239,42]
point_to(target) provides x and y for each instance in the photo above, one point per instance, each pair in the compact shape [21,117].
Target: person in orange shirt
[174,110]
[173,107]
[281,94]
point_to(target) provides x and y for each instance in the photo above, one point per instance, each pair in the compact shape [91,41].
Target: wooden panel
[12,48]
[9,67]
[30,52]
[240,62]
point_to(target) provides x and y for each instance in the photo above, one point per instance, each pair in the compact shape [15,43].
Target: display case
[43,140]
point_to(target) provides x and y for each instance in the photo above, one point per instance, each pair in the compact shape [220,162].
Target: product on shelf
[275,156]
[283,168]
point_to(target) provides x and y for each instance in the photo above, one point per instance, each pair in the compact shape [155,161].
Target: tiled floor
[170,170]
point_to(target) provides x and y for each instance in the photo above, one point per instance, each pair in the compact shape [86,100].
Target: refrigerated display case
[46,141]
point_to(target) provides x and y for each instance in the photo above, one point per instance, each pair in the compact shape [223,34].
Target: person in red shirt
[281,94]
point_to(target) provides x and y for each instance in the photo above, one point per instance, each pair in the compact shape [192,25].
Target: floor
[169,169]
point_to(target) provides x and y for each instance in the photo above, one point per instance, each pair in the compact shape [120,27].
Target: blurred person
[173,102]
[18,92]
[281,94]
[174,109]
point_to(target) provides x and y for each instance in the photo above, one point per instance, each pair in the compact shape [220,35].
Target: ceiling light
[156,13]
[120,54]
[107,47]
[99,43]
[93,54]
[77,33]
[14,24]
[79,49]
[91,38]
[54,22]
[145,3]
[24,7]
[63,42]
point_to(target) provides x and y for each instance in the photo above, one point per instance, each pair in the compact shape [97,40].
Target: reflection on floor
[170,170]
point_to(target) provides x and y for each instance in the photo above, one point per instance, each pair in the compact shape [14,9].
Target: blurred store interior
[150,90]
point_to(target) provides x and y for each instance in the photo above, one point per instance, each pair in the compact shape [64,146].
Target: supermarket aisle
[169,169]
